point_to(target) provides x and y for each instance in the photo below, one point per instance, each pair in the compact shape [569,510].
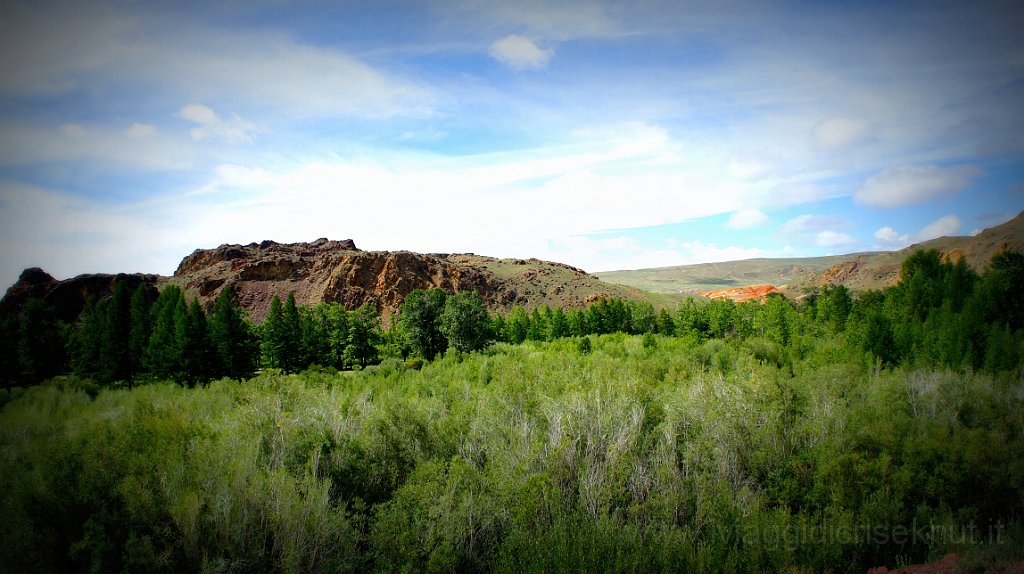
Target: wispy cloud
[747,218]
[210,125]
[520,53]
[915,184]
[943,226]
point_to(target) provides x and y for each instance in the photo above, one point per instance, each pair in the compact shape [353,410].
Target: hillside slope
[857,271]
[693,279]
[875,271]
[334,271]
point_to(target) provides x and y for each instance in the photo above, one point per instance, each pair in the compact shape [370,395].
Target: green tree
[291,333]
[421,319]
[338,333]
[316,335]
[363,335]
[273,334]
[465,322]
[163,357]
[141,325]
[41,342]
[86,339]
[517,325]
[834,306]
[665,325]
[235,344]
[197,349]
[559,324]
[115,359]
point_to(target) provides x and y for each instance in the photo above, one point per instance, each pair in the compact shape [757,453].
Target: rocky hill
[335,271]
[875,271]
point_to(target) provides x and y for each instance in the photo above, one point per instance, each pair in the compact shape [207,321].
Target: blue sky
[605,135]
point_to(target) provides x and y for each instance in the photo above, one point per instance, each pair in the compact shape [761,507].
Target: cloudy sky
[607,135]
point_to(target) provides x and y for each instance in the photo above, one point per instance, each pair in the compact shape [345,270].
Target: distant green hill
[858,271]
[692,279]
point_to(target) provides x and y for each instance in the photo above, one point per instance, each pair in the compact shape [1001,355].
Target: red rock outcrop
[741,294]
[335,271]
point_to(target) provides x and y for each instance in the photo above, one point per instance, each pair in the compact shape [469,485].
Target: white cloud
[520,53]
[747,218]
[617,253]
[943,226]
[749,169]
[140,130]
[210,125]
[833,239]
[138,147]
[888,239]
[841,133]
[812,224]
[67,235]
[915,184]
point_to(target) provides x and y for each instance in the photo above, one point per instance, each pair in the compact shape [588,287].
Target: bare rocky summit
[334,271]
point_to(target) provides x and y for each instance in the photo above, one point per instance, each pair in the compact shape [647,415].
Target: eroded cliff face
[337,271]
[334,271]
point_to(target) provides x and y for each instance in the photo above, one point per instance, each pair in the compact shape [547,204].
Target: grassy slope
[690,279]
[858,271]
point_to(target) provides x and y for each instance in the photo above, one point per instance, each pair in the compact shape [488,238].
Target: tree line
[939,313]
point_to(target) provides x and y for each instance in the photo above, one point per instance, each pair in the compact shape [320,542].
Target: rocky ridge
[333,271]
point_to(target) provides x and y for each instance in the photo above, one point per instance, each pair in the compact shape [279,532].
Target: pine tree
[40,342]
[235,345]
[141,326]
[163,356]
[86,339]
[273,334]
[291,337]
[337,334]
[115,363]
[197,354]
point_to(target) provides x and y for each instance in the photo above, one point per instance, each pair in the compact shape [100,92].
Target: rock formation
[333,271]
[741,294]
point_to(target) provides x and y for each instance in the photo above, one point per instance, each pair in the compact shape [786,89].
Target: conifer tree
[40,342]
[85,340]
[235,345]
[273,334]
[196,346]
[291,337]
[141,325]
[163,356]
[115,363]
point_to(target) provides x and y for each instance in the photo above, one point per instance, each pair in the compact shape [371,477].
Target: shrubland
[833,434]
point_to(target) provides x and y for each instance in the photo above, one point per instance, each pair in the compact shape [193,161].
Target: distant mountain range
[857,271]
